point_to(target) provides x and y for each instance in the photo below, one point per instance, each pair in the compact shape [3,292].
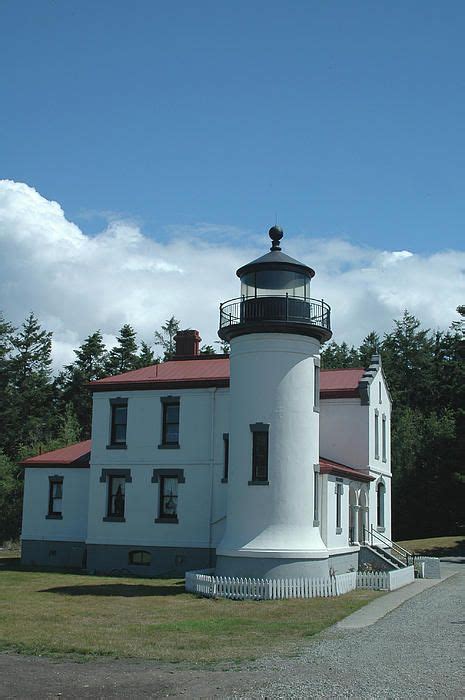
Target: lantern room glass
[275,283]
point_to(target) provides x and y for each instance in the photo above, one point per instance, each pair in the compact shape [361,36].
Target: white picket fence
[205,583]
[385,580]
[377,580]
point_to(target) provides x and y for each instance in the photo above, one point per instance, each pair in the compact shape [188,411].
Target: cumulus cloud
[77,283]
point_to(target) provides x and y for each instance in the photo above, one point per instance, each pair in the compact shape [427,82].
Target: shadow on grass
[122,590]
[457,550]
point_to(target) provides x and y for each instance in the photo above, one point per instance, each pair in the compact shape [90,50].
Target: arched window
[140,557]
[380,497]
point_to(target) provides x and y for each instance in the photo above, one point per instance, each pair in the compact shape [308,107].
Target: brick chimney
[187,344]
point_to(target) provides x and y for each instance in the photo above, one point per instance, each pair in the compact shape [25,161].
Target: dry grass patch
[62,614]
[451,546]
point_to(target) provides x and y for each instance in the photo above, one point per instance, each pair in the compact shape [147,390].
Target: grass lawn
[73,614]
[453,546]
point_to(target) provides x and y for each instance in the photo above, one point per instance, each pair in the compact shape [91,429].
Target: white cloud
[77,283]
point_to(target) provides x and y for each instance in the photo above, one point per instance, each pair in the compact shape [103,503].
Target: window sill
[114,519]
[316,410]
[224,481]
[117,446]
[316,523]
[169,447]
[167,521]
[339,531]
[259,483]
[380,529]
[54,516]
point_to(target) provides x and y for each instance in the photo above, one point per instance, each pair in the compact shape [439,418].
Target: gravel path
[416,651]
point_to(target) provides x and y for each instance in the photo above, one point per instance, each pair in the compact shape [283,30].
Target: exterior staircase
[380,550]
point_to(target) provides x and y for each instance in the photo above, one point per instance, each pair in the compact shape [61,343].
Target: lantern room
[275,297]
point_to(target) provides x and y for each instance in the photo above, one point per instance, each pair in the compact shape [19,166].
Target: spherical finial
[276,233]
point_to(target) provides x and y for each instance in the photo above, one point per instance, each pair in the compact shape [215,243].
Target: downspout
[212,471]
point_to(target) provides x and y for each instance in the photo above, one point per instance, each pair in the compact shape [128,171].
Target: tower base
[271,567]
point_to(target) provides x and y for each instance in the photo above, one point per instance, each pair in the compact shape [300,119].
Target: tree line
[425,371]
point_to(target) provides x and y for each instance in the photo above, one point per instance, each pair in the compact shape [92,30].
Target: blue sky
[347,118]
[146,148]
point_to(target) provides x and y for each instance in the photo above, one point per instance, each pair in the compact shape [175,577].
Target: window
[116,480]
[140,557]
[380,494]
[168,481]
[376,435]
[168,497]
[119,414]
[380,396]
[316,389]
[259,453]
[338,508]
[116,486]
[55,497]
[316,498]
[225,457]
[383,439]
[170,422]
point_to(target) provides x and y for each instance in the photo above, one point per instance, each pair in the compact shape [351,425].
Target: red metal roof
[334,383]
[173,371]
[339,383]
[327,466]
[75,455]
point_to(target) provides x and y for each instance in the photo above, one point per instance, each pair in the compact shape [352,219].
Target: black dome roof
[275,260]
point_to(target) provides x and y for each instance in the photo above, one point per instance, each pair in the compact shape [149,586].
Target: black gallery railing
[284,309]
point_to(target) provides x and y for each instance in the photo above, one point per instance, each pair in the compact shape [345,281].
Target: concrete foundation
[342,563]
[63,555]
[112,558]
[255,567]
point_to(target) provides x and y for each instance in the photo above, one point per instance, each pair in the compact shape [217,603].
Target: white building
[258,463]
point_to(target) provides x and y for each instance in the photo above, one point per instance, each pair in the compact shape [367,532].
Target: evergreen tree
[225,347]
[166,336]
[334,356]
[370,346]
[146,356]
[123,357]
[31,410]
[11,496]
[207,350]
[90,364]
[408,362]
[6,332]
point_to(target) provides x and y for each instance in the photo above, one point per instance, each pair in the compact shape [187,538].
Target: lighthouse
[275,330]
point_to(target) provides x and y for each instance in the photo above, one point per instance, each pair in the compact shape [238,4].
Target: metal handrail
[385,540]
[284,308]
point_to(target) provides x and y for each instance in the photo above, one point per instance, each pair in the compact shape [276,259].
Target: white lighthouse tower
[275,330]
